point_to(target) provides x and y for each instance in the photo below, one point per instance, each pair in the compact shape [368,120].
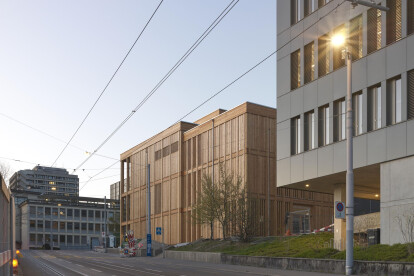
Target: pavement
[89,263]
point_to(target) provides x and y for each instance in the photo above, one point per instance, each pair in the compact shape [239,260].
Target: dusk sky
[57,56]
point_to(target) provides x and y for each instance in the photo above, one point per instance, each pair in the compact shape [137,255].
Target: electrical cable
[109,82]
[170,72]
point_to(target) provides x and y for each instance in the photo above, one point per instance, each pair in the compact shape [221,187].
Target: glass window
[55,225]
[97,227]
[374,107]
[323,125]
[77,239]
[47,224]
[90,214]
[323,55]
[355,37]
[62,226]
[295,135]
[83,226]
[393,17]
[32,238]
[338,60]
[295,69]
[295,6]
[33,210]
[55,212]
[76,225]
[62,212]
[309,60]
[40,225]
[83,240]
[69,239]
[47,211]
[97,214]
[77,213]
[62,238]
[309,7]
[339,120]
[69,212]
[394,101]
[40,211]
[309,130]
[90,227]
[373,30]
[32,223]
[69,225]
[83,213]
[410,92]
[357,112]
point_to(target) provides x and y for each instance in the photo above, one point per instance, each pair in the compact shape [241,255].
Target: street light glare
[338,40]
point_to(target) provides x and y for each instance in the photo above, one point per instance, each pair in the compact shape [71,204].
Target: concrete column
[339,224]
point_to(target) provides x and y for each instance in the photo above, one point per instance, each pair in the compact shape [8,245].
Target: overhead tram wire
[109,82]
[51,136]
[107,168]
[179,62]
[252,68]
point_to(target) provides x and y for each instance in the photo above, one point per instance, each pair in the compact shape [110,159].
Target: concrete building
[114,191]
[311,89]
[7,234]
[66,223]
[243,141]
[46,180]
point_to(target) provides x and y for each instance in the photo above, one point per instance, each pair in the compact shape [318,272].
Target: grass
[307,246]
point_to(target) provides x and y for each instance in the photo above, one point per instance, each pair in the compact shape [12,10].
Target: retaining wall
[301,264]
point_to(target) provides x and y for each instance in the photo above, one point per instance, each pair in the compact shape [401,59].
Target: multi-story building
[114,190]
[66,223]
[311,90]
[242,140]
[46,180]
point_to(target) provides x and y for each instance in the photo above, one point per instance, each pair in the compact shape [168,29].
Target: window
[393,17]
[97,227]
[166,151]
[373,30]
[338,60]
[62,238]
[322,2]
[157,155]
[295,69]
[97,214]
[83,226]
[83,212]
[90,214]
[77,240]
[40,225]
[70,239]
[295,135]
[76,226]
[77,212]
[47,211]
[62,212]
[55,212]
[309,7]
[33,224]
[394,101]
[47,224]
[69,213]
[33,210]
[410,94]
[40,211]
[90,227]
[374,107]
[339,120]
[357,112]
[309,60]
[294,11]
[355,37]
[410,17]
[323,55]
[174,147]
[55,225]
[69,225]
[309,130]
[83,240]
[323,125]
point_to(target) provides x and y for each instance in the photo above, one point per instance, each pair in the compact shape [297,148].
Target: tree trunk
[211,231]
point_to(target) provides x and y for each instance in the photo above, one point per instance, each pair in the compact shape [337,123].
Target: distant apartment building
[114,191]
[46,180]
[66,223]
[243,141]
[311,90]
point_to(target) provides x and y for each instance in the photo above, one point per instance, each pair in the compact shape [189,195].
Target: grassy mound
[307,246]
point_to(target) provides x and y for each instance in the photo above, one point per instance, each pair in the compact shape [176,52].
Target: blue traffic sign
[158,231]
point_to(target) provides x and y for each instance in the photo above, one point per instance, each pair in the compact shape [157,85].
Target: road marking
[95,270]
[79,265]
[153,270]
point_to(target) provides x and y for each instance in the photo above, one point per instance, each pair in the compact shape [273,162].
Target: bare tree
[206,208]
[5,171]
[406,225]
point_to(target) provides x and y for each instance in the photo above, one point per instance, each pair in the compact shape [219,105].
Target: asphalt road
[88,263]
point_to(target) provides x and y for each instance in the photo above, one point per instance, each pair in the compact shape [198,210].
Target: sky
[57,56]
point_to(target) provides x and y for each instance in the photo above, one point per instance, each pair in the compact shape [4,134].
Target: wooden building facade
[243,141]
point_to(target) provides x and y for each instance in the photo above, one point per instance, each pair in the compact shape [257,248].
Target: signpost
[159,232]
[339,210]
[149,243]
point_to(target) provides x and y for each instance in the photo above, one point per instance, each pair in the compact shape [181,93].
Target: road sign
[158,231]
[149,242]
[339,210]
[103,234]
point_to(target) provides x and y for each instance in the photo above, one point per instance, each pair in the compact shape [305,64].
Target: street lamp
[339,40]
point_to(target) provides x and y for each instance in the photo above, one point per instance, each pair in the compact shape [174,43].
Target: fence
[6,251]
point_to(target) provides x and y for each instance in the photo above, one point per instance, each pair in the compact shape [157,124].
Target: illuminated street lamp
[338,40]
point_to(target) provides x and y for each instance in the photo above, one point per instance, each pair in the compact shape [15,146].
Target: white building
[75,223]
[311,89]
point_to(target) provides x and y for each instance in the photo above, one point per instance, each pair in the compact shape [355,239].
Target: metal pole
[11,235]
[268,181]
[349,173]
[148,207]
[104,236]
[163,244]
[212,173]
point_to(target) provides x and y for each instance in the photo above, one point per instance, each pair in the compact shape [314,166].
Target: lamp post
[339,40]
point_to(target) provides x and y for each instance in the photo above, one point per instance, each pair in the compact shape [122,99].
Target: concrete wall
[206,257]
[397,197]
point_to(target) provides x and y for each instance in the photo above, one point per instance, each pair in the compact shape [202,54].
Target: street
[87,263]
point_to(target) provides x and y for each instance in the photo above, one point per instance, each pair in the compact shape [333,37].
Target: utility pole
[212,173]
[104,235]
[148,209]
[268,181]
